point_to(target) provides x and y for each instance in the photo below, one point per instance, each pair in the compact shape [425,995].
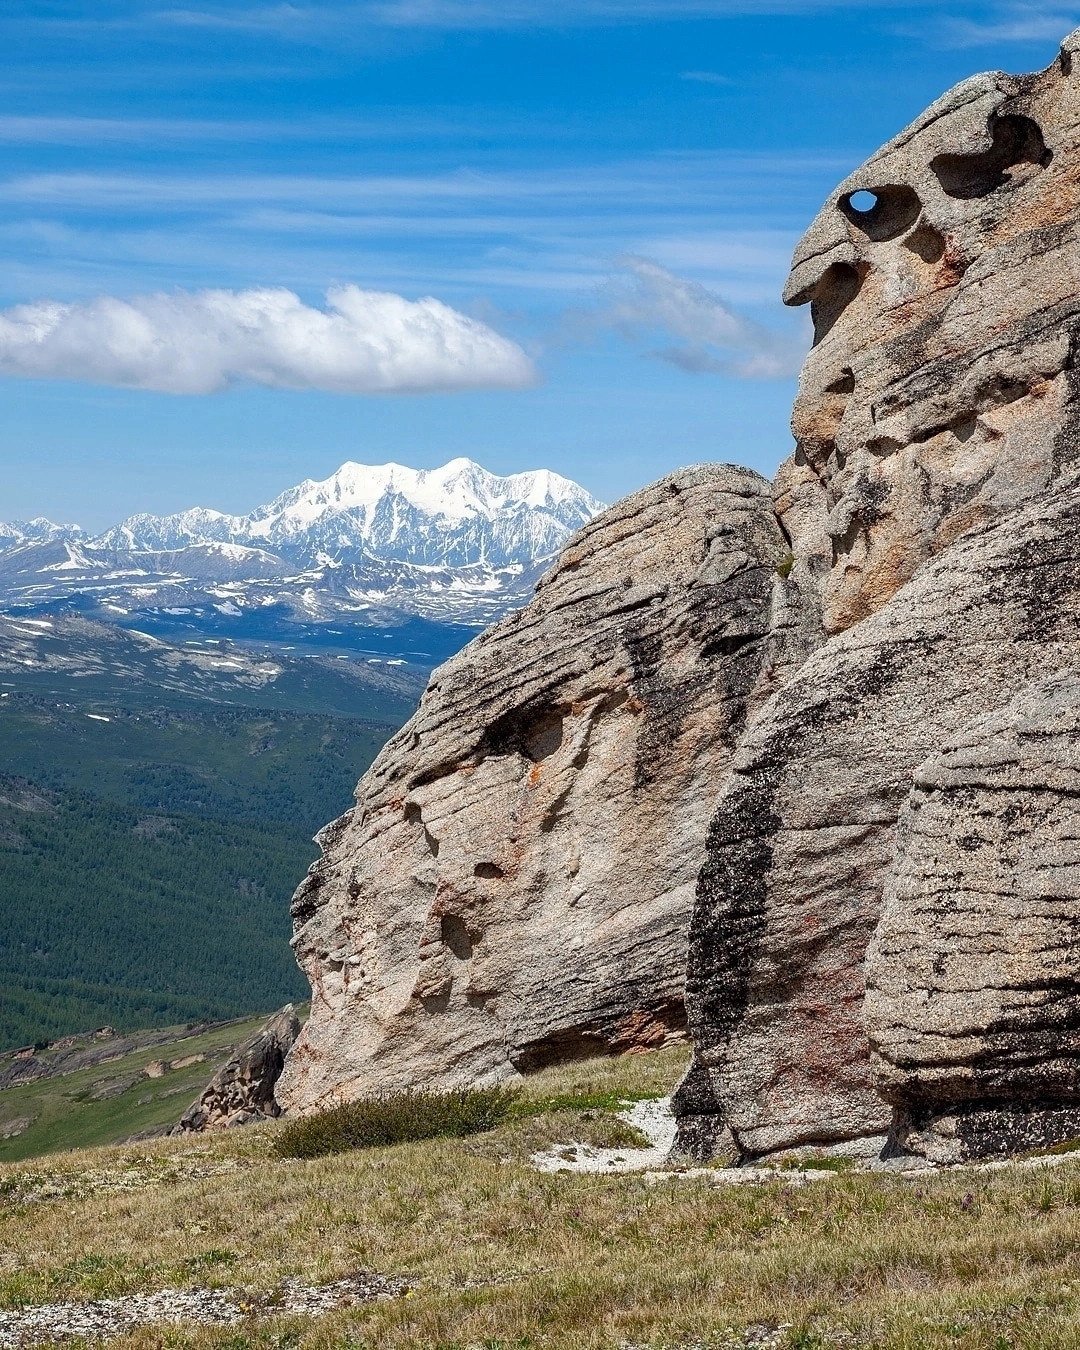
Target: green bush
[395,1118]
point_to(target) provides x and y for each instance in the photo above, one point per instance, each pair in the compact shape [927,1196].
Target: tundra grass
[501,1256]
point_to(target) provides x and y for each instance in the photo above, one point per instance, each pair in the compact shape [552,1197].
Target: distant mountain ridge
[457,515]
[372,546]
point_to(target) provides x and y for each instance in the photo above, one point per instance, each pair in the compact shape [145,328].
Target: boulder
[514,884]
[242,1091]
[973,975]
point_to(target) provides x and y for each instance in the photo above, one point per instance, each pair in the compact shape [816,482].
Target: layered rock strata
[514,884]
[973,975]
[802,843]
[932,506]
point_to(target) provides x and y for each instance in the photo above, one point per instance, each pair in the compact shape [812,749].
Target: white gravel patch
[104,1318]
[652,1118]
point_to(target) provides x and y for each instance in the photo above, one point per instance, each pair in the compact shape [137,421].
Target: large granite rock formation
[871,967]
[515,882]
[944,281]
[973,976]
[802,843]
[933,505]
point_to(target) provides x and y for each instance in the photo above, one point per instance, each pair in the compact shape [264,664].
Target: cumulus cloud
[704,335]
[362,342]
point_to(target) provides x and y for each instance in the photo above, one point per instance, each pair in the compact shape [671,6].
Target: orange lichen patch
[534,775]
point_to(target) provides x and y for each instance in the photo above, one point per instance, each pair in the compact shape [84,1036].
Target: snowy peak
[37,531]
[456,515]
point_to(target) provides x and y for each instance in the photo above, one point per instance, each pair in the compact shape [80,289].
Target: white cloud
[315,19]
[704,335]
[363,342]
[705,77]
[1016,25]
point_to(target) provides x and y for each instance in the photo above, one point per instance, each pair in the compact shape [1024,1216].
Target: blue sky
[603,205]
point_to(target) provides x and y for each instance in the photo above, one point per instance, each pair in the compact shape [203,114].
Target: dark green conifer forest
[149,844]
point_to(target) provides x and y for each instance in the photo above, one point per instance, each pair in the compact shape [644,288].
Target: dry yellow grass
[502,1256]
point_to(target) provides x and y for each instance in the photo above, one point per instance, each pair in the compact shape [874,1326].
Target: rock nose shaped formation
[933,509]
[515,882]
[941,391]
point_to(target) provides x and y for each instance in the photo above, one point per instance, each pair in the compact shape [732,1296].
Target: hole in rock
[926,243]
[843,384]
[566,1044]
[412,812]
[839,285]
[533,732]
[492,871]
[728,644]
[883,213]
[455,936]
[1014,141]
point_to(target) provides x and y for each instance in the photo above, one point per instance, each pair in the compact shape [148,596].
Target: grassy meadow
[500,1255]
[116,1099]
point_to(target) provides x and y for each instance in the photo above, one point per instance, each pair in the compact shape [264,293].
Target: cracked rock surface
[515,882]
[933,509]
[973,977]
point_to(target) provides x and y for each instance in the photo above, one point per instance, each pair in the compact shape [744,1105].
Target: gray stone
[973,976]
[933,511]
[242,1090]
[515,882]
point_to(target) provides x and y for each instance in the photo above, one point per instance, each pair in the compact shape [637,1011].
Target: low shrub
[395,1118]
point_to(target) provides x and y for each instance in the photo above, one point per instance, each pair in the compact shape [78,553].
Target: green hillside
[110,1101]
[150,839]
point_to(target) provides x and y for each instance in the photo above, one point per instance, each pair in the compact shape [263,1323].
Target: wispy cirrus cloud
[363,342]
[1009,23]
[706,77]
[309,19]
[698,331]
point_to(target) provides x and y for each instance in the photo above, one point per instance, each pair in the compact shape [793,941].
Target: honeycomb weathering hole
[882,212]
[1014,141]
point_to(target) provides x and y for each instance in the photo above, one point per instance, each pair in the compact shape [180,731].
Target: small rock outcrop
[515,882]
[973,976]
[242,1091]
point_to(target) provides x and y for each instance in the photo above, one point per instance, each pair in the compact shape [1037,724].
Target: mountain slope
[458,515]
[156,811]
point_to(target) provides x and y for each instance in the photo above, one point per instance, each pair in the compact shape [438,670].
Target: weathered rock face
[933,504]
[973,976]
[942,388]
[515,882]
[242,1091]
[802,842]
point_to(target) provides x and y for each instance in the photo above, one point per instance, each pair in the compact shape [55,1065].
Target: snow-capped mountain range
[371,547]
